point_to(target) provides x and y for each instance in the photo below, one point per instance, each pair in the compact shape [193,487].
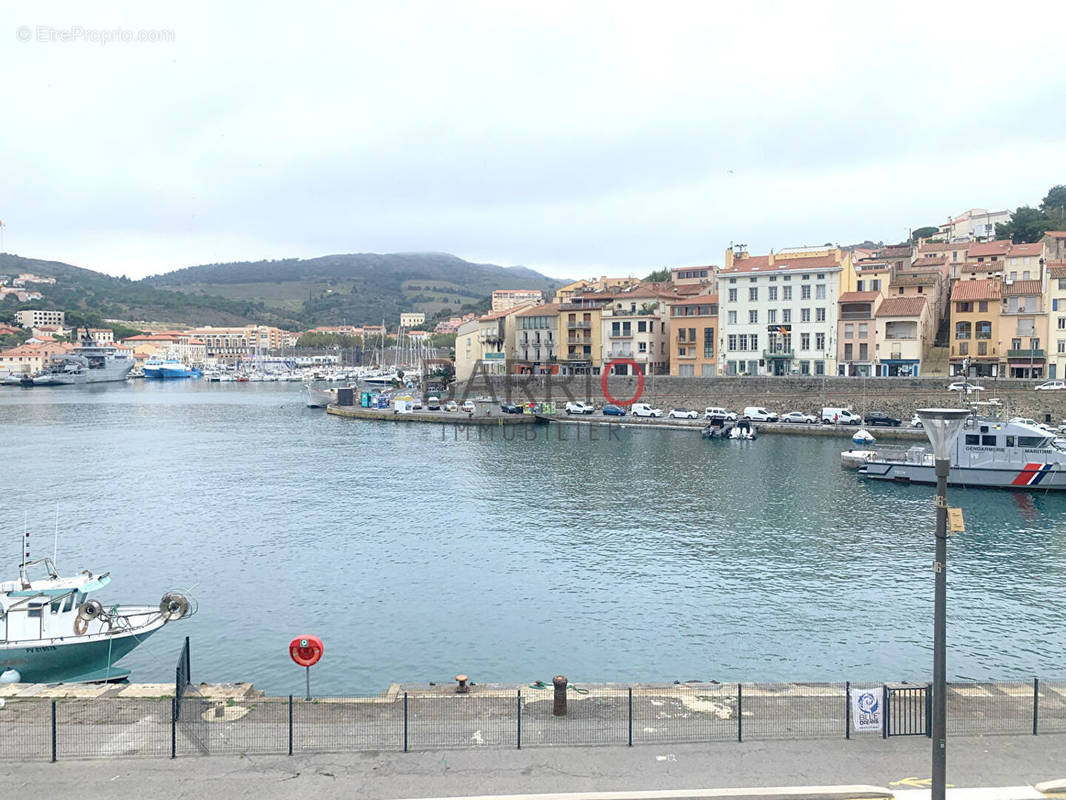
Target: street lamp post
[942,426]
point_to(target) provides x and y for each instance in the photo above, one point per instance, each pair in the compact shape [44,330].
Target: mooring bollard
[463,687]
[559,707]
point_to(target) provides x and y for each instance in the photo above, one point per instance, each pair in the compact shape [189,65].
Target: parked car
[611,410]
[432,404]
[797,416]
[916,421]
[644,410]
[881,418]
[578,408]
[469,407]
[715,412]
[683,413]
[510,408]
[964,386]
[451,406]
[832,415]
[759,414]
[1050,386]
[1025,421]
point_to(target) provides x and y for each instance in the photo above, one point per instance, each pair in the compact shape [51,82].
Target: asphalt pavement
[898,764]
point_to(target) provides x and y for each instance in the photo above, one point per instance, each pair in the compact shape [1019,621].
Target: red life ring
[306,650]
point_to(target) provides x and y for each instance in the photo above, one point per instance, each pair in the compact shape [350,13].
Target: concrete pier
[439,417]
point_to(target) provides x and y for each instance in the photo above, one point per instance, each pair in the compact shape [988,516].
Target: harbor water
[421,551]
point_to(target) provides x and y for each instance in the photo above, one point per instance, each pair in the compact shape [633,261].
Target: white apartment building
[778,313]
[37,318]
[408,319]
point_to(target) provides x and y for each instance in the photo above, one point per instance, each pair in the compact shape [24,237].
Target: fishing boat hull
[73,659]
[1036,476]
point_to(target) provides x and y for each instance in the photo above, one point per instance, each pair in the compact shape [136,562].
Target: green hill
[355,288]
[290,293]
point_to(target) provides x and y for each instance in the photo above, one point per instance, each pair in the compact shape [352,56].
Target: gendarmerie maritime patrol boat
[986,453]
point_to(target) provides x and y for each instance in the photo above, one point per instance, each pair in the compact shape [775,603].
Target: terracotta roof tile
[699,300]
[1022,288]
[997,248]
[1056,234]
[858,297]
[929,261]
[762,264]
[543,310]
[1034,249]
[902,306]
[504,313]
[975,289]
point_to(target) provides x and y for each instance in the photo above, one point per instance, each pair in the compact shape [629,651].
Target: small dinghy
[863,436]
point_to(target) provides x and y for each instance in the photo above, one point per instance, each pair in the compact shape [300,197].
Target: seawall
[896,396]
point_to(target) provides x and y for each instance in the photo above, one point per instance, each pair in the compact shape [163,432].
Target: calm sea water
[416,554]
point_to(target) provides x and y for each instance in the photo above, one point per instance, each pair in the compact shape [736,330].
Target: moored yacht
[986,453]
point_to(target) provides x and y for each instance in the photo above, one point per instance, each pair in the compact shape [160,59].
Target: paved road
[973,761]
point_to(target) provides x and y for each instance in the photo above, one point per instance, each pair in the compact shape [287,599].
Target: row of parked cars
[1053,385]
[829,416]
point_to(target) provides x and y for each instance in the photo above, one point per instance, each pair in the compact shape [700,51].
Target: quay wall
[896,396]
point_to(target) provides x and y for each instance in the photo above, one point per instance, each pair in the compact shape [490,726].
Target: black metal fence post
[188,662]
[885,711]
[519,740]
[740,713]
[405,722]
[53,731]
[929,710]
[1036,703]
[847,709]
[173,727]
[290,724]
[630,716]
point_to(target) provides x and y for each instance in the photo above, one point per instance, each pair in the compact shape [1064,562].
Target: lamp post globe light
[942,426]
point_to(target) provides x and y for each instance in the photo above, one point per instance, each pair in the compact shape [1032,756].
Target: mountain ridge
[351,288]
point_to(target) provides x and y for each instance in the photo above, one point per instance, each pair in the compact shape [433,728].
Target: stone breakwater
[896,396]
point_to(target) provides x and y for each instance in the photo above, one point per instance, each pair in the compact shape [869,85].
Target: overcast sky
[575,138]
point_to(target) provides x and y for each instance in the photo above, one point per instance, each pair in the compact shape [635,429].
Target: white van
[716,412]
[644,410]
[843,416]
[759,414]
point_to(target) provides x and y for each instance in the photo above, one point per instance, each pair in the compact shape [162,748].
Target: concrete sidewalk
[900,764]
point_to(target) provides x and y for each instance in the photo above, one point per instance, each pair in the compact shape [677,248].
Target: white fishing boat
[51,631]
[986,453]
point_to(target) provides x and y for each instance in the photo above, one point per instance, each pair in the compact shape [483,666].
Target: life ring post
[306,651]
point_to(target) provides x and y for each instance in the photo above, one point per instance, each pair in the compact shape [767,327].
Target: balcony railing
[777,354]
[1036,355]
[622,335]
[856,315]
[577,326]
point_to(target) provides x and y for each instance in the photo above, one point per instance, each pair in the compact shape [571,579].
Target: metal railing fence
[113,725]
